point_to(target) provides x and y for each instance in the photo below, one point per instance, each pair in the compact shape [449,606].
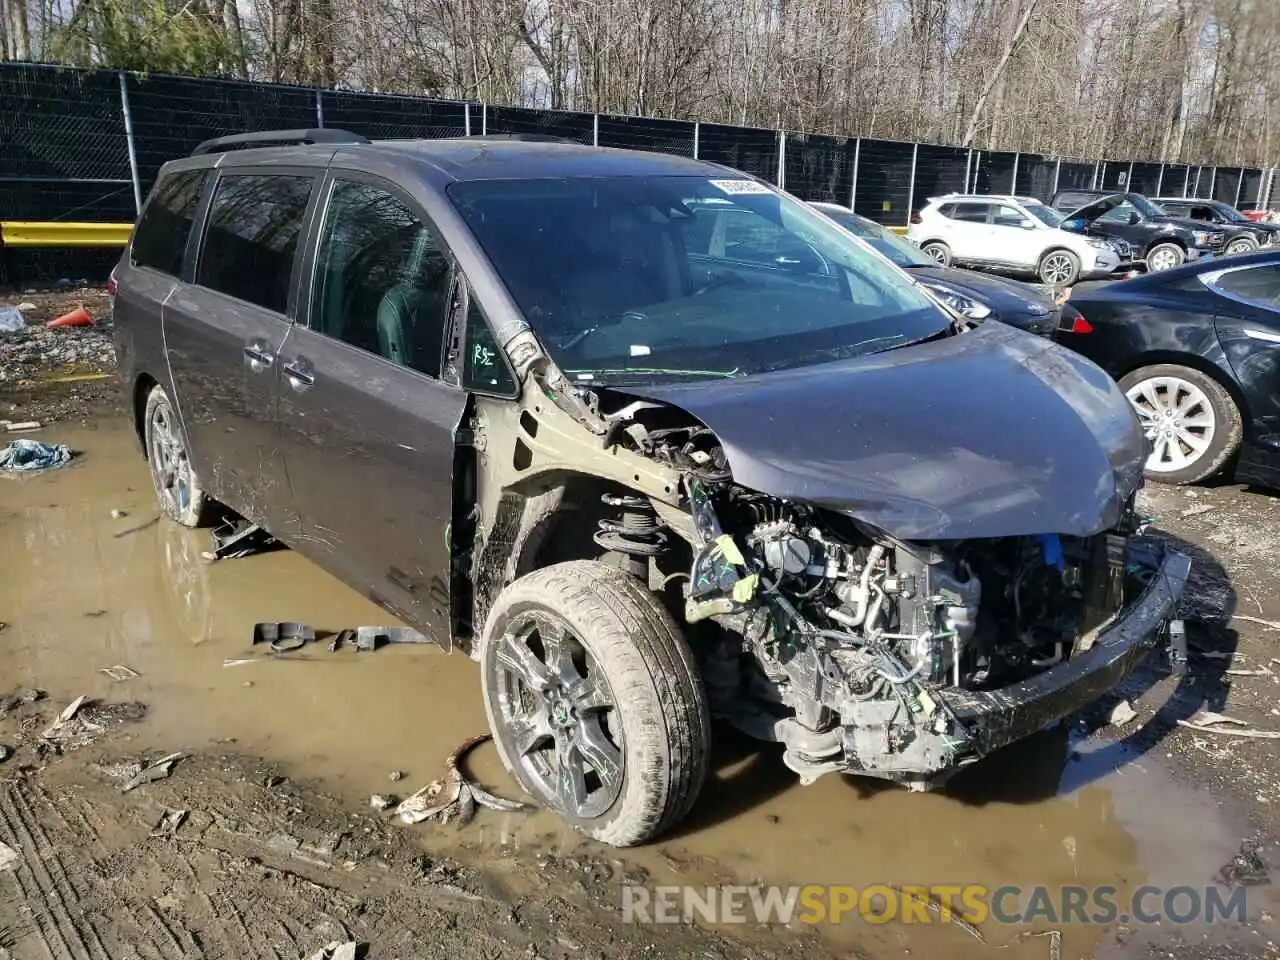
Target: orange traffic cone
[79,317]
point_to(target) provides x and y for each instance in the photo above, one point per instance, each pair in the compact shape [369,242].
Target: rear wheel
[1193,424]
[1059,268]
[1165,256]
[594,701]
[939,251]
[177,487]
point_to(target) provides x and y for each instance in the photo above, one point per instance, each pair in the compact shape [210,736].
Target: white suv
[1015,234]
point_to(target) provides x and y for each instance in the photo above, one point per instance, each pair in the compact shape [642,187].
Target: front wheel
[1059,268]
[594,701]
[1165,256]
[1193,424]
[939,251]
[1241,245]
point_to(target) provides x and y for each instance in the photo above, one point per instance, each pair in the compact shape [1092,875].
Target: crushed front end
[906,661]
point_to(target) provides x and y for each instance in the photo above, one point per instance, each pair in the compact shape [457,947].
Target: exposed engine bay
[857,651]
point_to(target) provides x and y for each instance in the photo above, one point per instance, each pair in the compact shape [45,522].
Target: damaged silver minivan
[654,443]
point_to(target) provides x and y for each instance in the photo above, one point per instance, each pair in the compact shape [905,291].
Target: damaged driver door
[367,425]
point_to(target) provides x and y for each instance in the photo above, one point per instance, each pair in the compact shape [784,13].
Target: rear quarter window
[251,237]
[160,239]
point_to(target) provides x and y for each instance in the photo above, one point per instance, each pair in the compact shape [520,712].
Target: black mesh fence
[64,152]
[819,168]
[382,117]
[883,188]
[578,127]
[749,149]
[647,133]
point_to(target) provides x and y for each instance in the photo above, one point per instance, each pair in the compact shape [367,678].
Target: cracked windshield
[684,277]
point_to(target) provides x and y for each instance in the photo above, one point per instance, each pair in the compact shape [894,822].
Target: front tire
[594,700]
[1165,256]
[1059,268]
[177,487]
[1189,417]
[1241,245]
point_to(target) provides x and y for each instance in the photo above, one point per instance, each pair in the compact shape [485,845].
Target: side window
[160,240]
[948,210]
[971,212]
[1122,214]
[251,239]
[1008,216]
[382,278]
[485,367]
[1256,285]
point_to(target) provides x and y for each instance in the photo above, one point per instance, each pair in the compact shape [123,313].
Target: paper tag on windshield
[740,187]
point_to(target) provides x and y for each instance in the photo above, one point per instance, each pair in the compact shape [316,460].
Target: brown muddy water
[82,590]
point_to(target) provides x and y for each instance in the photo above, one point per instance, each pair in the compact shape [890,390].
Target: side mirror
[1028,224]
[1074,225]
[1134,218]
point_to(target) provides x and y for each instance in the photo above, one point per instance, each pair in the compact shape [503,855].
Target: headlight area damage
[860,652]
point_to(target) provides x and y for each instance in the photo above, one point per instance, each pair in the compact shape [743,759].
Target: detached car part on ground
[686,450]
[1196,351]
[977,296]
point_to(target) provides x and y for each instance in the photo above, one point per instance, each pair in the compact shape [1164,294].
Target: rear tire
[177,487]
[939,251]
[1165,256]
[595,703]
[1193,423]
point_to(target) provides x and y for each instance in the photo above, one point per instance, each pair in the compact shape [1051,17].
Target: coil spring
[636,531]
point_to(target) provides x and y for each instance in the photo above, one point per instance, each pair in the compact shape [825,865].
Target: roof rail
[271,137]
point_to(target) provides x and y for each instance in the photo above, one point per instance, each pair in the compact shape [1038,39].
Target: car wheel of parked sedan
[1165,256]
[1059,268]
[594,700]
[939,251]
[177,487]
[1241,245]
[1193,424]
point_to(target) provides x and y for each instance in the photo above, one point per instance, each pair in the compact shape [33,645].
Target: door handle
[258,357]
[300,374]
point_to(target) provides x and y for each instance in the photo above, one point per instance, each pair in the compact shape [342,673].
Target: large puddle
[83,591]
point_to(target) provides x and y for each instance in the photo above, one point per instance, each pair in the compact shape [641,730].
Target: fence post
[853,186]
[1239,186]
[466,119]
[1057,170]
[319,108]
[1186,181]
[1128,178]
[782,160]
[1213,184]
[128,136]
[968,169]
[1099,174]
[1160,182]
[696,128]
[595,129]
[1013,184]
[911,187]
[484,119]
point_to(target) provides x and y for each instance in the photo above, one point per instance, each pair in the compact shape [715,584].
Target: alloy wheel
[169,463]
[1163,260]
[556,709]
[1177,418]
[1056,269]
[937,252]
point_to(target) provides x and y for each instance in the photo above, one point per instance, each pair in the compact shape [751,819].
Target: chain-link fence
[86,145]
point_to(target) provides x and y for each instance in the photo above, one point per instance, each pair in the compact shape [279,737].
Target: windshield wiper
[588,376]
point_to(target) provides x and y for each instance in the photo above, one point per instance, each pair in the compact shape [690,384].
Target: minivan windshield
[627,278]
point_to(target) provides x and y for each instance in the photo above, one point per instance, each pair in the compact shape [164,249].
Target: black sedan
[976,295]
[1197,352]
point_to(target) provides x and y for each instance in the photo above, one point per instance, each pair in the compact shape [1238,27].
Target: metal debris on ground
[371,638]
[453,796]
[240,538]
[120,673]
[1122,713]
[1269,624]
[159,770]
[336,951]
[1246,868]
[931,904]
[9,857]
[284,636]
[24,426]
[1206,721]
[169,822]
[30,456]
[380,802]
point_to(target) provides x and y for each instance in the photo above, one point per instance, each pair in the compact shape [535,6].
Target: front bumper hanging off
[971,724]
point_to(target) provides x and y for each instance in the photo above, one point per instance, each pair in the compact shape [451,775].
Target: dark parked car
[1196,350]
[651,441]
[1242,234]
[1160,241]
[978,296]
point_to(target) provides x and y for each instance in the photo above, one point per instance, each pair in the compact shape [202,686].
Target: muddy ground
[278,852]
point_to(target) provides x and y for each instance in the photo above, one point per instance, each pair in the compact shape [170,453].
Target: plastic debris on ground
[336,951]
[240,538]
[79,317]
[284,636]
[9,857]
[454,796]
[169,823]
[11,320]
[1122,713]
[159,770]
[372,638]
[28,456]
[119,673]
